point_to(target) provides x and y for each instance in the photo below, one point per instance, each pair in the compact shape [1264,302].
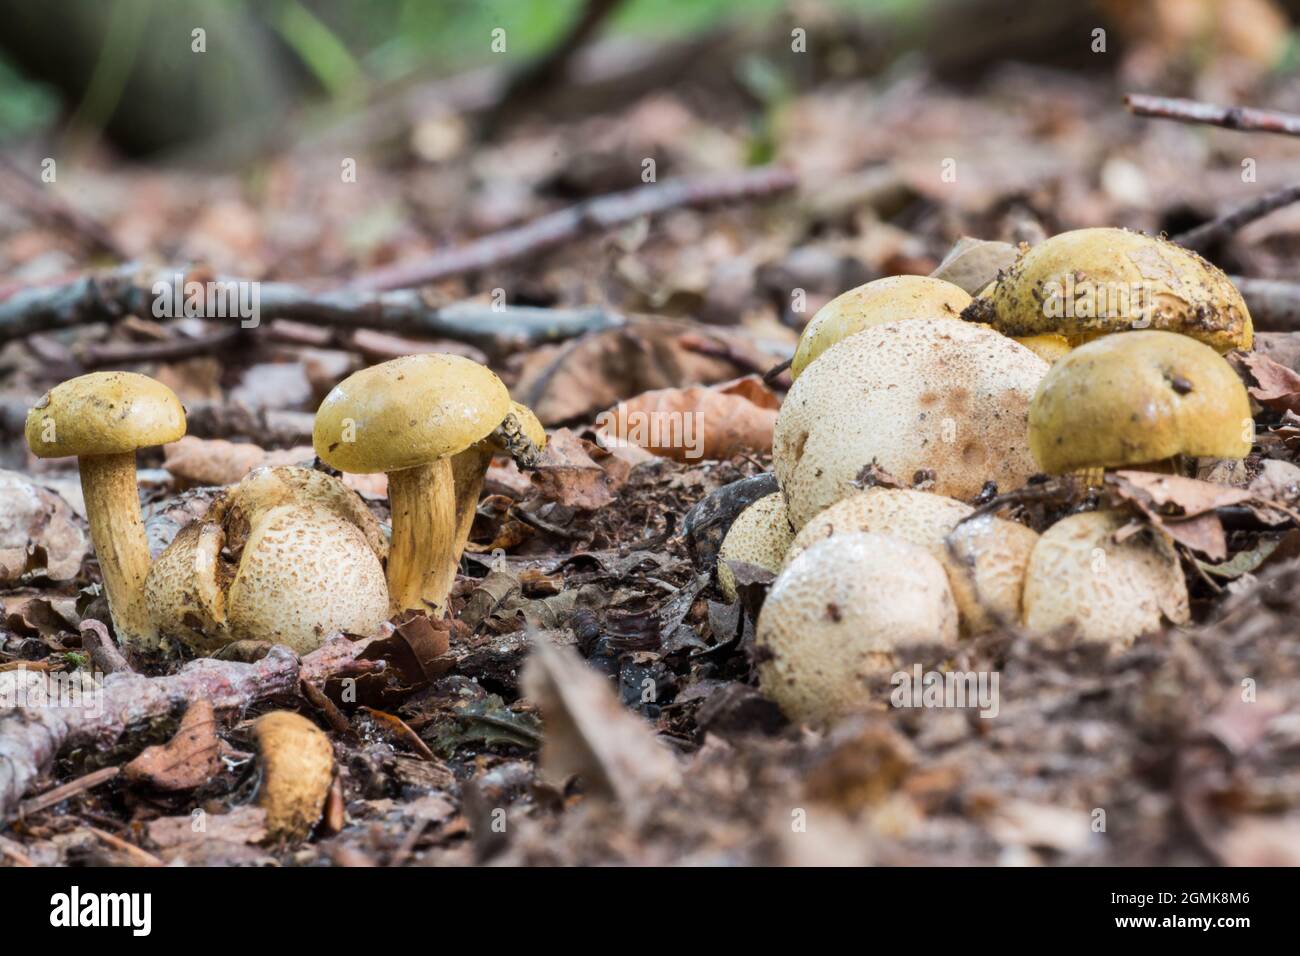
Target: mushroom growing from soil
[984,557]
[103,418]
[891,299]
[1092,282]
[760,536]
[923,395]
[1138,399]
[296,760]
[836,617]
[1113,592]
[520,435]
[409,418]
[288,555]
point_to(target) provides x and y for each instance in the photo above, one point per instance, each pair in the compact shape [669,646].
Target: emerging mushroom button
[408,418]
[103,418]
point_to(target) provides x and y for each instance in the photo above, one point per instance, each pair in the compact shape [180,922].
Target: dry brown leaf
[568,473]
[215,461]
[695,422]
[190,759]
[972,263]
[38,532]
[591,735]
[1277,387]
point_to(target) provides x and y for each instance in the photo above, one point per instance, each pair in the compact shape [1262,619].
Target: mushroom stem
[117,530]
[470,468]
[422,556]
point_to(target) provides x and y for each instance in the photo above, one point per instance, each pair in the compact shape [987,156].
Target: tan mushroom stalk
[891,299]
[760,535]
[408,418]
[927,395]
[984,557]
[297,764]
[1135,400]
[1093,282]
[837,616]
[103,418]
[520,435]
[288,555]
[1108,591]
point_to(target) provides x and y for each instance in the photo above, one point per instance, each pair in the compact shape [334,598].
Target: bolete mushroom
[103,418]
[760,536]
[408,418]
[883,300]
[838,614]
[984,557]
[1092,282]
[920,395]
[1109,591]
[289,555]
[296,761]
[1138,399]
[519,434]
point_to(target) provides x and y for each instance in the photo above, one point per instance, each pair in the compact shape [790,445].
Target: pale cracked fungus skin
[1138,398]
[837,616]
[297,764]
[1185,293]
[891,299]
[288,555]
[984,557]
[1050,347]
[1079,577]
[907,396]
[760,535]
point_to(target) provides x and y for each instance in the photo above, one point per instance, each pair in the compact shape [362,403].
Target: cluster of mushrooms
[291,555]
[888,376]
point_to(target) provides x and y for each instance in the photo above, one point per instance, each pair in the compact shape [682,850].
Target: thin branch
[1229,117]
[591,216]
[1220,228]
[129,290]
[1274,303]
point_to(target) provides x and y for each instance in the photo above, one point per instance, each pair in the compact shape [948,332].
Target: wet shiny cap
[104,413]
[408,412]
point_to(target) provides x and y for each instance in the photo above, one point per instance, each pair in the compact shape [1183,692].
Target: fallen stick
[129,290]
[594,215]
[31,737]
[1274,303]
[1211,114]
[1223,226]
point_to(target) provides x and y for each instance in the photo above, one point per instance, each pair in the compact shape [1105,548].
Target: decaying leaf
[568,472]
[972,263]
[1184,508]
[1276,386]
[215,461]
[38,532]
[589,734]
[190,759]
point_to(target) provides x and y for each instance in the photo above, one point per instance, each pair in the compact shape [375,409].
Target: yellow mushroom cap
[407,412]
[760,535]
[1184,292]
[984,558]
[883,300]
[1135,398]
[837,615]
[1049,347]
[104,413]
[933,394]
[1079,576]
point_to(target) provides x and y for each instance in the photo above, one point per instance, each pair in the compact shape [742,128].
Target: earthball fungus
[984,557]
[837,616]
[103,418]
[883,300]
[920,396]
[409,418]
[288,555]
[1111,591]
[1092,282]
[760,536]
[1137,399]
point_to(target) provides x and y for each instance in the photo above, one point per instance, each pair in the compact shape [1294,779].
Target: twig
[129,290]
[99,355]
[593,215]
[104,652]
[1274,303]
[42,202]
[141,857]
[31,737]
[1223,226]
[70,789]
[1229,117]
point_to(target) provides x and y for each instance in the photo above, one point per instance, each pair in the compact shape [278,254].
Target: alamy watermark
[37,690]
[1130,302]
[947,689]
[654,429]
[215,299]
